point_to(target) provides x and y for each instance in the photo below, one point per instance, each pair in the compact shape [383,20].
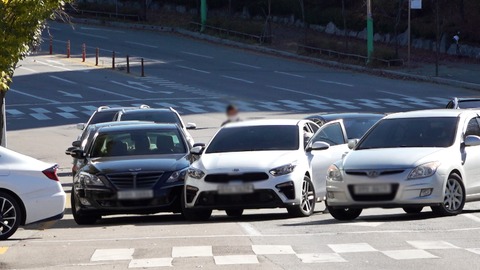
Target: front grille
[245,177]
[379,172]
[373,197]
[258,198]
[143,180]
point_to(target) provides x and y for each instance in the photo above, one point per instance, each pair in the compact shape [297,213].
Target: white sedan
[29,192]
[410,160]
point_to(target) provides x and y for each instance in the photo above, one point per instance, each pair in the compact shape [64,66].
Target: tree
[21,25]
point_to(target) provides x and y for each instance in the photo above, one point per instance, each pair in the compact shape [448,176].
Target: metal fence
[104,14]
[222,31]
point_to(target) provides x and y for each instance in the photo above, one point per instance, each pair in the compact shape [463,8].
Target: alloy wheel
[308,197]
[453,195]
[8,216]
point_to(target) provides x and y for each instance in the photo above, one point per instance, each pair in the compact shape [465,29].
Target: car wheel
[413,210]
[344,214]
[307,202]
[10,215]
[454,197]
[194,214]
[234,212]
[80,218]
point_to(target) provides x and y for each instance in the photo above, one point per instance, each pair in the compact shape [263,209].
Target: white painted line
[472,217]
[391,93]
[236,79]
[194,69]
[294,105]
[50,65]
[318,104]
[14,112]
[272,249]
[141,44]
[90,35]
[193,107]
[61,79]
[67,115]
[27,69]
[245,65]
[55,62]
[111,93]
[431,245]
[40,110]
[192,251]
[235,259]
[150,263]
[321,258]
[67,109]
[249,229]
[410,254]
[119,254]
[362,224]
[352,248]
[337,83]
[33,96]
[294,91]
[198,55]
[133,87]
[473,250]
[40,116]
[289,74]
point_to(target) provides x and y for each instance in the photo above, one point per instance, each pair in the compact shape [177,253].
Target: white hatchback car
[410,160]
[249,165]
[29,192]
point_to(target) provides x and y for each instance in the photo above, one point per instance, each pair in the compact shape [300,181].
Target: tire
[234,212]
[194,214]
[80,218]
[454,197]
[344,214]
[307,203]
[10,215]
[413,210]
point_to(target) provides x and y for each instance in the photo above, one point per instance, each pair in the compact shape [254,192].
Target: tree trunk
[3,123]
[397,23]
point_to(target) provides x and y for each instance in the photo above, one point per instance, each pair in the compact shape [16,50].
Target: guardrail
[389,63]
[260,38]
[104,14]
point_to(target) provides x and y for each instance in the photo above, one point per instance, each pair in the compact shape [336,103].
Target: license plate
[235,189]
[372,189]
[134,194]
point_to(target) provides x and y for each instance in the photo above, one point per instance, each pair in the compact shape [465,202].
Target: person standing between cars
[456,39]
[232,114]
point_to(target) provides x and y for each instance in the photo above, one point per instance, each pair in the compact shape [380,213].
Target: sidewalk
[453,71]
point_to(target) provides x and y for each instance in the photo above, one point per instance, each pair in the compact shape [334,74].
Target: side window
[473,128]
[313,127]
[331,134]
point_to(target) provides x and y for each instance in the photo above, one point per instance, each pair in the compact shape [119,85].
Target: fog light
[426,192]
[84,201]
[288,189]
[330,195]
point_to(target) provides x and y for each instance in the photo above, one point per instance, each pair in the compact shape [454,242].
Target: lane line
[91,35]
[236,79]
[395,94]
[249,229]
[100,29]
[337,83]
[294,91]
[33,96]
[245,65]
[194,69]
[472,217]
[133,87]
[109,92]
[141,44]
[289,74]
[27,69]
[50,65]
[62,79]
[198,55]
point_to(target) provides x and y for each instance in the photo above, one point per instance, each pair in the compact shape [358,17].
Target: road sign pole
[203,14]
[369,32]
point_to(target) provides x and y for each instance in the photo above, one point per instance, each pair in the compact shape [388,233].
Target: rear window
[102,117]
[164,117]
[469,104]
[357,127]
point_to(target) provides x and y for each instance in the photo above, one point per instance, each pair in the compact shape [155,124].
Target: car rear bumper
[44,204]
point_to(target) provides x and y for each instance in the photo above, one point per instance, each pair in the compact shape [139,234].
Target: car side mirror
[352,143]
[199,144]
[77,153]
[472,140]
[77,143]
[80,126]
[191,126]
[69,150]
[197,150]
[317,146]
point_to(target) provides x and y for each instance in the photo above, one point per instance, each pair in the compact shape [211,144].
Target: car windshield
[165,117]
[102,117]
[411,132]
[357,127]
[255,138]
[469,104]
[138,142]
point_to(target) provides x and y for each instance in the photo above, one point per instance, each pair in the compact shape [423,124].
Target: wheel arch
[20,202]
[456,172]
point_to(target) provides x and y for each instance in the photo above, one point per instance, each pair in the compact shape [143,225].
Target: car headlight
[177,176]
[334,173]
[424,170]
[195,173]
[283,170]
[90,179]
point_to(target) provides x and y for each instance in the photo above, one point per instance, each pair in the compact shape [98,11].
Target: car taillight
[51,173]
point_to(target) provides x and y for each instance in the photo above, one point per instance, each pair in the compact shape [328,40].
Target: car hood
[246,161]
[138,163]
[387,158]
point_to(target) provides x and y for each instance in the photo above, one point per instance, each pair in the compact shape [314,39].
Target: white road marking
[40,116]
[351,248]
[369,103]
[111,93]
[395,103]
[236,79]
[472,217]
[198,55]
[55,62]
[193,107]
[235,259]
[192,251]
[245,65]
[101,29]
[67,115]
[321,258]
[50,65]
[194,69]
[27,69]
[272,249]
[474,250]
[14,112]
[33,96]
[67,109]
[62,79]
[294,91]
[289,74]
[294,105]
[409,254]
[249,229]
[391,93]
[431,245]
[150,263]
[139,84]
[337,83]
[133,87]
[119,254]
[362,224]
[141,44]
[91,35]
[318,104]
[67,94]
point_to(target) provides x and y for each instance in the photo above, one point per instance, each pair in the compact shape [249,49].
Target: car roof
[116,109]
[335,116]
[142,111]
[461,99]
[142,126]
[118,123]
[264,122]
[430,113]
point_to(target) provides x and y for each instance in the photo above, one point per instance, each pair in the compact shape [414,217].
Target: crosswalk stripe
[14,112]
[67,115]
[40,116]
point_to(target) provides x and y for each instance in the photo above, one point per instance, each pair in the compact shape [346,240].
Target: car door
[332,133]
[472,159]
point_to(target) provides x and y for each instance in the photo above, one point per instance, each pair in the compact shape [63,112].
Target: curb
[256,48]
